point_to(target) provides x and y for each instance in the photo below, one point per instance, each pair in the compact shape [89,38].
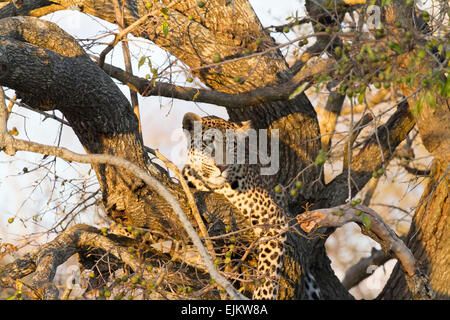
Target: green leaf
[321,158]
[365,220]
[165,28]
[396,47]
[299,90]
[141,61]
[361,97]
[164,12]
[370,53]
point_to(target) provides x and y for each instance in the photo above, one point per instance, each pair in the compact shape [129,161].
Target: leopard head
[214,151]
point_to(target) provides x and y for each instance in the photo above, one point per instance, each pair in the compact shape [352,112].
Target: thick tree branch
[362,269]
[11,146]
[296,118]
[63,77]
[329,118]
[264,66]
[274,92]
[43,262]
[372,225]
[37,8]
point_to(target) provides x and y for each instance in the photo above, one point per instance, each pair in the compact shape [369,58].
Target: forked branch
[372,225]
[44,261]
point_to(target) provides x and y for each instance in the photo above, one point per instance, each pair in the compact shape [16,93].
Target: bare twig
[120,35]
[353,136]
[127,58]
[191,201]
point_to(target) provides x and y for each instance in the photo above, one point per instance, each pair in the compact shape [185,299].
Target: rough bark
[99,115]
[299,141]
[429,235]
[221,27]
[227,28]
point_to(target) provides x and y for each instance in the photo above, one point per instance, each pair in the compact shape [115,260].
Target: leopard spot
[274,256]
[190,184]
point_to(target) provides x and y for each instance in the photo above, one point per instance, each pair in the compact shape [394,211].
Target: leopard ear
[188,121]
[245,126]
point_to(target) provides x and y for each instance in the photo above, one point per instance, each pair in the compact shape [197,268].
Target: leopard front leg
[270,228]
[270,262]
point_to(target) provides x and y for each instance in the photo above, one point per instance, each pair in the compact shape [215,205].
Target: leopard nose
[222,167]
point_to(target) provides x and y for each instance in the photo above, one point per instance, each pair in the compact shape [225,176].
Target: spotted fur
[241,184]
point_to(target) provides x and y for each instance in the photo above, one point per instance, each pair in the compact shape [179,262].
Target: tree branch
[273,92]
[370,157]
[191,200]
[44,261]
[372,225]
[333,108]
[37,8]
[361,270]
[11,146]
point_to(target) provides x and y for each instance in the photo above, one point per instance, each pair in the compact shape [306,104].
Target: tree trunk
[429,235]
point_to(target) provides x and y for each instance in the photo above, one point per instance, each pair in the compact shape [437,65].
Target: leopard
[242,185]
